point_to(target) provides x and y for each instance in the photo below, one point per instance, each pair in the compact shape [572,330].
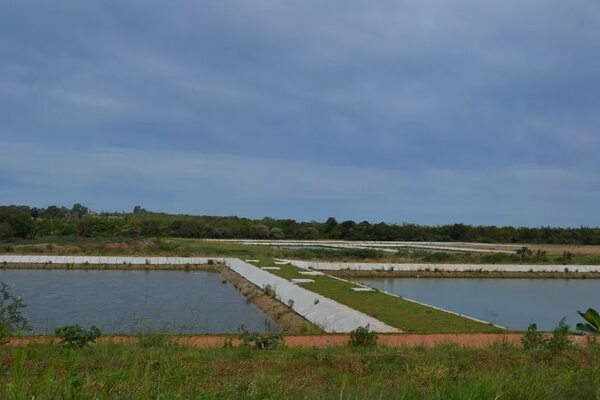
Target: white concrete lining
[386,246]
[96,260]
[302,280]
[357,266]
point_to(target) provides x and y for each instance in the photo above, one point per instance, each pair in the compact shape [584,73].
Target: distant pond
[512,303]
[134,301]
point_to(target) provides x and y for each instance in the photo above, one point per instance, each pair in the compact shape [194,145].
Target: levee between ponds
[329,315]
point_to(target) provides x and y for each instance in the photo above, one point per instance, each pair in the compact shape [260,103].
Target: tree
[330,224]
[80,210]
[19,220]
[277,234]
[259,231]
[138,210]
[12,320]
[310,233]
[221,232]
[6,232]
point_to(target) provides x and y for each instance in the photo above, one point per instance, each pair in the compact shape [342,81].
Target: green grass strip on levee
[394,311]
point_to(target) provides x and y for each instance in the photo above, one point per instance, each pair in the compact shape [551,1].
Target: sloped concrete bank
[413,267]
[289,321]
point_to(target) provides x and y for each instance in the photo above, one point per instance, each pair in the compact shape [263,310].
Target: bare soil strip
[320,341]
[288,320]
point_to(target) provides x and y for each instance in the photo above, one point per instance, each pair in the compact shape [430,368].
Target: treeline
[23,222]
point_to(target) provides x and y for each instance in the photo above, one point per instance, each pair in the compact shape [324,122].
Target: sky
[422,111]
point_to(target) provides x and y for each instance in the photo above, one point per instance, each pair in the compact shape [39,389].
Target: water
[134,301]
[513,303]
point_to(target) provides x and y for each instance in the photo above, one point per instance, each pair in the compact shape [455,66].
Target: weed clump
[363,336]
[556,343]
[260,341]
[75,335]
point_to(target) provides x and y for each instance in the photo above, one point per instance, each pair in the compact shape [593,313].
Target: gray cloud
[446,111]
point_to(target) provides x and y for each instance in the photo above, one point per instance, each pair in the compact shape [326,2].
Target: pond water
[134,301]
[513,303]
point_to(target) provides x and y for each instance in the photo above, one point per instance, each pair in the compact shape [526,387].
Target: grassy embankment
[133,371]
[198,247]
[394,311]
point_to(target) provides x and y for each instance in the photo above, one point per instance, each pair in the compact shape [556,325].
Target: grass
[130,371]
[394,311]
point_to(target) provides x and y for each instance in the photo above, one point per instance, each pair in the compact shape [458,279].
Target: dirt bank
[287,319]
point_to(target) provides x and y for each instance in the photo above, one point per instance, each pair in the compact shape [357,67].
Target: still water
[134,301]
[513,303]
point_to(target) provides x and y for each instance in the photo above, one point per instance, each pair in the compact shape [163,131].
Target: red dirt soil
[427,340]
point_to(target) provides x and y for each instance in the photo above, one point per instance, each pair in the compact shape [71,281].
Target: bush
[533,339]
[556,343]
[12,320]
[270,291]
[560,339]
[363,336]
[75,335]
[260,341]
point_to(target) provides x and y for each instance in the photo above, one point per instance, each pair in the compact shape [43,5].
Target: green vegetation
[12,321]
[363,336]
[558,342]
[260,341]
[394,311]
[130,371]
[592,324]
[75,335]
[29,222]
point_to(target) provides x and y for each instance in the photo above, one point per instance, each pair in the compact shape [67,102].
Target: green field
[112,372]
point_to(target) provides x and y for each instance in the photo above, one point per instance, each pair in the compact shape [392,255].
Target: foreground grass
[112,371]
[394,311]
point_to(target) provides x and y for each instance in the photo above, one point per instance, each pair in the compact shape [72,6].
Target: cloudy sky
[426,111]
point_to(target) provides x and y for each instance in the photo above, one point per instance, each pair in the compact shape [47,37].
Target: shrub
[557,342]
[260,341]
[12,320]
[363,336]
[533,339]
[270,291]
[75,335]
[560,339]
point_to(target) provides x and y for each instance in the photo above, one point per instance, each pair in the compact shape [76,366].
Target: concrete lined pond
[133,301]
[512,303]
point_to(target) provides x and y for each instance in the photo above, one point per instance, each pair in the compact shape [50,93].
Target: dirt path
[427,340]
